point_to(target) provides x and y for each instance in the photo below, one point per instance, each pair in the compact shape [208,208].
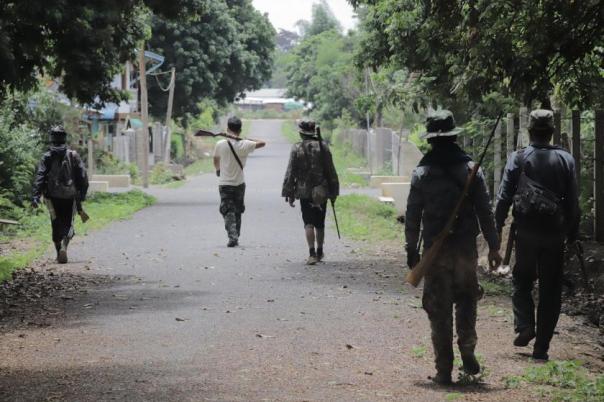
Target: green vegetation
[364,218]
[200,166]
[34,228]
[419,352]
[496,287]
[562,381]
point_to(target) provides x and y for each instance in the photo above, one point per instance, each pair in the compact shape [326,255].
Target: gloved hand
[35,202]
[412,258]
[291,201]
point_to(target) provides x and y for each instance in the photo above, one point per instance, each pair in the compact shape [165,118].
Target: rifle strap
[235,154]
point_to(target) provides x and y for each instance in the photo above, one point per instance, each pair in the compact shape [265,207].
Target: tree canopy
[224,52]
[522,49]
[82,42]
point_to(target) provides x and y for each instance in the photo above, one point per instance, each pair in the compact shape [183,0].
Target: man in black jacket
[436,185]
[62,180]
[540,181]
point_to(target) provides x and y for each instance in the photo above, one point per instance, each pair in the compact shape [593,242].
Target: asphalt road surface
[184,318]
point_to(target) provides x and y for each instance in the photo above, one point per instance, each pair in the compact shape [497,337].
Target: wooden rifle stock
[510,245]
[415,275]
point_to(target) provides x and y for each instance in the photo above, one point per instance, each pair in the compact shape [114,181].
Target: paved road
[187,319]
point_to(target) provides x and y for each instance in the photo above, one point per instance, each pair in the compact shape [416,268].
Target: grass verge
[559,381]
[103,208]
[343,158]
[364,218]
[200,166]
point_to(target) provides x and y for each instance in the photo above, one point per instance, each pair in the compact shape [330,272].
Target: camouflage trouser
[231,208]
[452,281]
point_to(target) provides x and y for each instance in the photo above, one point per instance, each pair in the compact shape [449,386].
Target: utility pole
[144,116]
[169,117]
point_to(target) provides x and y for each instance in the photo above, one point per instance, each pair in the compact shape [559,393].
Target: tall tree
[84,43]
[524,49]
[224,52]
[323,20]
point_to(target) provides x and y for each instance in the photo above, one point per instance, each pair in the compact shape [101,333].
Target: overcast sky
[285,13]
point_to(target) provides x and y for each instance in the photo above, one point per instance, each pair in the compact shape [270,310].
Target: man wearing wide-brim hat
[436,186]
[540,182]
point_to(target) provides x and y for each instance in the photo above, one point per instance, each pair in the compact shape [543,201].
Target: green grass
[493,287]
[364,218]
[201,166]
[343,158]
[419,352]
[562,381]
[103,208]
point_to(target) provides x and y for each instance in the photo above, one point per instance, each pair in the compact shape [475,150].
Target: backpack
[535,203]
[60,183]
[320,191]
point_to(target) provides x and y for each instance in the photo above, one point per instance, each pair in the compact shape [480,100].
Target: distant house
[268,99]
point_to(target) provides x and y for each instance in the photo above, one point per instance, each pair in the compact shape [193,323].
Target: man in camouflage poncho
[311,177]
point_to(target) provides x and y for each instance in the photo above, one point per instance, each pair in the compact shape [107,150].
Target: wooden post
[90,156]
[509,126]
[599,176]
[497,159]
[523,135]
[144,116]
[576,143]
[168,138]
[557,128]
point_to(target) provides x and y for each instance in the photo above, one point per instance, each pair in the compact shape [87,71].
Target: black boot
[442,378]
[524,337]
[62,255]
[470,364]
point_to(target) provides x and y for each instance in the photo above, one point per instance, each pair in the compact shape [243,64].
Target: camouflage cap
[541,120]
[440,123]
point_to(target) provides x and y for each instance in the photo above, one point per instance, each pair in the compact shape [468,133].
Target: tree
[522,49]
[323,20]
[83,43]
[321,72]
[224,52]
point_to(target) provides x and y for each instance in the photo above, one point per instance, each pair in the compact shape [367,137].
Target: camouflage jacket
[306,170]
[435,189]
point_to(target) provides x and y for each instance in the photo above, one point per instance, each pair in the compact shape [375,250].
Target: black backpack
[536,204]
[60,183]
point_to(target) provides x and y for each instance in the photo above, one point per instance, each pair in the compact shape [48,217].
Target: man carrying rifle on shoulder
[438,184]
[540,182]
[311,177]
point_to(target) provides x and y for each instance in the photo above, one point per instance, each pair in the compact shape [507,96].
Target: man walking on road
[311,177]
[436,186]
[61,178]
[540,182]
[230,156]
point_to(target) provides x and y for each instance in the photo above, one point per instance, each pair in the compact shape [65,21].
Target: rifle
[205,133]
[510,245]
[333,206]
[416,274]
[578,249]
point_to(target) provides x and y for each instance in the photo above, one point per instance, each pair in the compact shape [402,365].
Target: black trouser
[61,216]
[541,262]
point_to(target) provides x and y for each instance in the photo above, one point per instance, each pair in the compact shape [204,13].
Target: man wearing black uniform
[61,178]
[540,182]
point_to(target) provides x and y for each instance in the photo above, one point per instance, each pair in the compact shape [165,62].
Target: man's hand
[494,259]
[412,258]
[291,201]
[218,173]
[35,203]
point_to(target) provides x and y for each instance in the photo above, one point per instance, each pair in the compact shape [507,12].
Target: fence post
[599,176]
[509,126]
[523,136]
[497,159]
[90,156]
[576,144]
[557,127]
